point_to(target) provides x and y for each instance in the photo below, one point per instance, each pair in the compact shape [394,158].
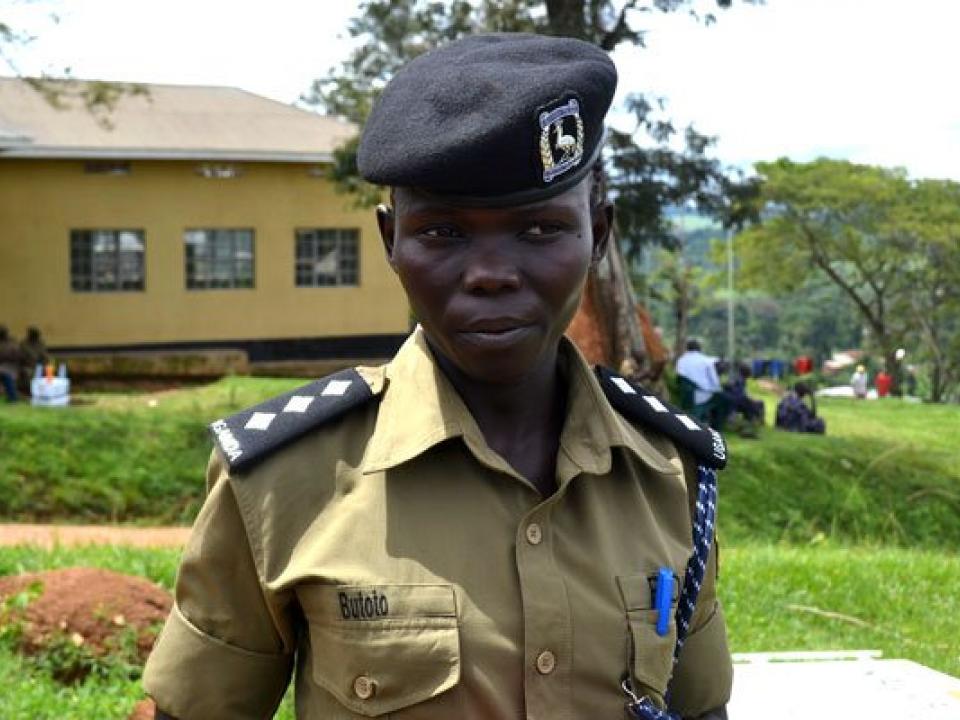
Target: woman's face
[494,288]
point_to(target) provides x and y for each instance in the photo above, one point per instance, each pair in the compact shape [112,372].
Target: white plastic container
[50,392]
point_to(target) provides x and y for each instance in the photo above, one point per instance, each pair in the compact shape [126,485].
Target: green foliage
[68,660]
[157,565]
[891,245]
[28,694]
[119,460]
[11,628]
[816,318]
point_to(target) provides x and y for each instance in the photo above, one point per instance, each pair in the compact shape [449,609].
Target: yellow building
[187,218]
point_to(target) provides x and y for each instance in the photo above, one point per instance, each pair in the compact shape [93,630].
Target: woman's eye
[543,230]
[440,232]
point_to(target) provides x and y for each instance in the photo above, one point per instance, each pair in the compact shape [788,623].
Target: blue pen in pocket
[663,599]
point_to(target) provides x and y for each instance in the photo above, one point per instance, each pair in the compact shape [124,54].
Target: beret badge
[561,139]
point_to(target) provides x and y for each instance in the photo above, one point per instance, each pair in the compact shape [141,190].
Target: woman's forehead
[413,200]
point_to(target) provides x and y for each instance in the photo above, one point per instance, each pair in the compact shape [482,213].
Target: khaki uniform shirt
[401,568]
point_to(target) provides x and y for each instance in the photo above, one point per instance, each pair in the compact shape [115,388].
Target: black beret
[493,119]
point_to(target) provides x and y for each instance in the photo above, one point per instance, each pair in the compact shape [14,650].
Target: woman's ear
[386,222]
[601,217]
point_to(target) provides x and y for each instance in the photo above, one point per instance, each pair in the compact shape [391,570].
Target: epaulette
[645,408]
[254,433]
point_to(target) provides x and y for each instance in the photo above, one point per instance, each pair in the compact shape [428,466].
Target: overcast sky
[871,81]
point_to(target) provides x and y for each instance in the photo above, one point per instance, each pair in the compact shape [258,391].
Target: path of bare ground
[51,535]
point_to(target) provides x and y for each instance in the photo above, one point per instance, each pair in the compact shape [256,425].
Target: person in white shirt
[701,370]
[859,382]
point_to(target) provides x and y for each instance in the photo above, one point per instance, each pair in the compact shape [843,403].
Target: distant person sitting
[736,390]
[700,391]
[33,352]
[795,415]
[9,363]
[858,381]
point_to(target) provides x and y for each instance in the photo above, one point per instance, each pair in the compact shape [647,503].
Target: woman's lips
[495,336]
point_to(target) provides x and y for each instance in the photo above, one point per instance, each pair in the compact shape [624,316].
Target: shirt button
[363,687]
[546,662]
[534,534]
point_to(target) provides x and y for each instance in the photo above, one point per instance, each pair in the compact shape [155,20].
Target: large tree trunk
[607,327]
[681,309]
[589,328]
[936,383]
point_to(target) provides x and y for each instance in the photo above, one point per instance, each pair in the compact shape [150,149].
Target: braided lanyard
[643,708]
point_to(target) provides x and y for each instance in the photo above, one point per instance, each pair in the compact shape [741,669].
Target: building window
[326,257]
[106,260]
[219,171]
[218,258]
[106,167]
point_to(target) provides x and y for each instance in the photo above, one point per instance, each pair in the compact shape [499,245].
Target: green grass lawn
[886,473]
[135,458]
[902,602]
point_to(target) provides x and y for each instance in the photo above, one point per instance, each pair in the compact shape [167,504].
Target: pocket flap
[379,649]
[652,652]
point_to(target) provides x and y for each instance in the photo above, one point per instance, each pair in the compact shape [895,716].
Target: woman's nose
[491,270]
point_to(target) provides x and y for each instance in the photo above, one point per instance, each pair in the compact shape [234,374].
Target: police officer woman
[485,527]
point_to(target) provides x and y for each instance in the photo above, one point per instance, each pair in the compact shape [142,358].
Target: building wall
[42,200]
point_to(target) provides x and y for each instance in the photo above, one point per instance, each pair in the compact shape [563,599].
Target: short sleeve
[703,677]
[226,650]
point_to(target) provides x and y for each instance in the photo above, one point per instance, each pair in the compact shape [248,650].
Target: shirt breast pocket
[385,648]
[651,653]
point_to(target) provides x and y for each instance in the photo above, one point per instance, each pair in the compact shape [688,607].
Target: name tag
[360,605]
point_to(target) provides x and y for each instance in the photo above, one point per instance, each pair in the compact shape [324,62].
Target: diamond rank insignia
[253,434]
[561,139]
[645,408]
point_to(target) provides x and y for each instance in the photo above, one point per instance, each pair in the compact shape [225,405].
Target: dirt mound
[82,616]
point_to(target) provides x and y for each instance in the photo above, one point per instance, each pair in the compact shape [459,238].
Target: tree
[642,181]
[890,244]
[932,271]
[98,97]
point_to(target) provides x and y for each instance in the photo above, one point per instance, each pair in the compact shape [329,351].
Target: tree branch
[621,30]
[821,261]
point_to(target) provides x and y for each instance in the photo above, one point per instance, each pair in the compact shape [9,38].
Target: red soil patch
[93,608]
[143,710]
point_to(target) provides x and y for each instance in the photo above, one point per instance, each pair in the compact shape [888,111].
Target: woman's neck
[521,420]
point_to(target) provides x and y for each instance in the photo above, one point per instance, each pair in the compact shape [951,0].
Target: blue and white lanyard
[643,708]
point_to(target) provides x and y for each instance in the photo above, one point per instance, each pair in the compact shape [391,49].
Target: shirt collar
[421,409]
[593,427]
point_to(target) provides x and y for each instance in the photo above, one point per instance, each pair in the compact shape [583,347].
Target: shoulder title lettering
[254,433]
[643,407]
